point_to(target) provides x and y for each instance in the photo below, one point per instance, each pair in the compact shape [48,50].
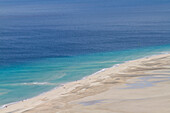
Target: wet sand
[138,86]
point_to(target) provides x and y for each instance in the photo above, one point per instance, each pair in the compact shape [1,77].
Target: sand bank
[138,86]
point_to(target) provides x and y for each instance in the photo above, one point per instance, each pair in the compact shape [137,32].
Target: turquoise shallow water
[26,80]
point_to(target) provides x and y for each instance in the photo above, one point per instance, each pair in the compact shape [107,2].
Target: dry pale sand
[139,86]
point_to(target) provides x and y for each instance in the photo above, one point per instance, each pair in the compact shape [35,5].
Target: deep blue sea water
[46,43]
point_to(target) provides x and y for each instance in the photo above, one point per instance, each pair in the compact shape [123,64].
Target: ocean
[44,44]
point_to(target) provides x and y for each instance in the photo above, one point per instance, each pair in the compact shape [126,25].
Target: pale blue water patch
[23,81]
[93,102]
[146,82]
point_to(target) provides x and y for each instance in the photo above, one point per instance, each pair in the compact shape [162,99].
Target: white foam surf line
[156,54]
[102,70]
[37,83]
[163,52]
[62,84]
[30,83]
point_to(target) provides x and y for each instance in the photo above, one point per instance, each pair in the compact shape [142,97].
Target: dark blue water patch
[29,44]
[32,30]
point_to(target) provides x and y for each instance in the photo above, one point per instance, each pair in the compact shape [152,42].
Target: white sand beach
[138,86]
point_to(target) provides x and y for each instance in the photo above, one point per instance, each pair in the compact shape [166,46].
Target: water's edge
[60,85]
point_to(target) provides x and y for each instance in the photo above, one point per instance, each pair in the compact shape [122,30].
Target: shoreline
[118,68]
[60,85]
